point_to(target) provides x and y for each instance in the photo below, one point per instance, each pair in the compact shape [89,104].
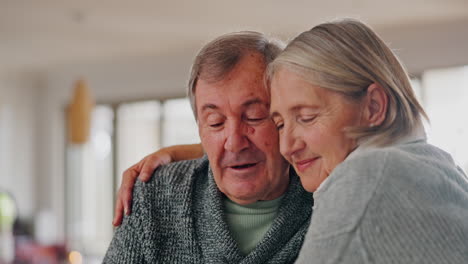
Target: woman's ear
[375,105]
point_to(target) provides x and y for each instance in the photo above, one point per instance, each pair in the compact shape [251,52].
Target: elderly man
[239,203]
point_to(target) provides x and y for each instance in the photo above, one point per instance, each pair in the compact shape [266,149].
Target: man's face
[238,135]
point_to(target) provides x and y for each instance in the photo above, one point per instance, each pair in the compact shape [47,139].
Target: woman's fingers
[152,162]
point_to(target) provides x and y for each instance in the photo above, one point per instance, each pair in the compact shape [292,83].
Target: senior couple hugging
[310,153]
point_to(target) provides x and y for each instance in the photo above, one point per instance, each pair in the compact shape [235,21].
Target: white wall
[125,78]
[446,102]
[425,46]
[18,128]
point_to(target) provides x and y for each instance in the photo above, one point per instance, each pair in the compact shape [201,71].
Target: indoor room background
[129,62]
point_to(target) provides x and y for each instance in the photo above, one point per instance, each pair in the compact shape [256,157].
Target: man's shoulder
[161,214]
[176,174]
[181,171]
[169,186]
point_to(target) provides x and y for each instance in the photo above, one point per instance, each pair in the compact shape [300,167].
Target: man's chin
[243,200]
[243,195]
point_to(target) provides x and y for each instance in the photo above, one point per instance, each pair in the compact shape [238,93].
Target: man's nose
[236,138]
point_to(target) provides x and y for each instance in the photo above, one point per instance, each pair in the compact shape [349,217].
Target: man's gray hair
[219,57]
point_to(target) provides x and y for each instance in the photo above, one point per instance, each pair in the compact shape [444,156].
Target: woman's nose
[290,142]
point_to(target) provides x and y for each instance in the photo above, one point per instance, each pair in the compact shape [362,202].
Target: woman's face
[311,123]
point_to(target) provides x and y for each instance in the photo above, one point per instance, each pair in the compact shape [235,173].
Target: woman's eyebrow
[296,108]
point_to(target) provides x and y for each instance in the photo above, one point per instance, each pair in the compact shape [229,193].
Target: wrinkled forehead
[220,96]
[243,84]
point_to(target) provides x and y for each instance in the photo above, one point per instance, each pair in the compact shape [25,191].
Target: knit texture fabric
[402,204]
[178,217]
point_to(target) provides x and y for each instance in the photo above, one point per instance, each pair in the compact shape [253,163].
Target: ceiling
[38,34]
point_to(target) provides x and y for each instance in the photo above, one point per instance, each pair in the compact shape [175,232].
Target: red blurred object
[30,252]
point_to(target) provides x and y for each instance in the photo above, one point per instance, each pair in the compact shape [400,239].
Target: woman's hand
[144,169]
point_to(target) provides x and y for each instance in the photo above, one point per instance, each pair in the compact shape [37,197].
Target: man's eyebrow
[209,106]
[245,104]
[254,101]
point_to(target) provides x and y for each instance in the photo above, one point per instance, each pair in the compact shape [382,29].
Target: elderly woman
[351,127]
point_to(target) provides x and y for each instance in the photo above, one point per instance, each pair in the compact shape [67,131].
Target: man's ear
[376,103]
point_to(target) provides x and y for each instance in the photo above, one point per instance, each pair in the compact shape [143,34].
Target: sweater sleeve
[126,245]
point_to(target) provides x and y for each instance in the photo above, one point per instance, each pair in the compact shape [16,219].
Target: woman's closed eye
[306,119]
[279,126]
[278,123]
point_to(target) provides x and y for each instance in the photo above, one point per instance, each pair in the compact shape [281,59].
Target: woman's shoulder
[412,172]
[417,155]
[406,160]
[418,188]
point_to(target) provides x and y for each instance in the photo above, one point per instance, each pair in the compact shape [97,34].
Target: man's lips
[304,164]
[242,166]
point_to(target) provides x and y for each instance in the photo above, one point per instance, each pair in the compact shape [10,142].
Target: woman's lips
[304,164]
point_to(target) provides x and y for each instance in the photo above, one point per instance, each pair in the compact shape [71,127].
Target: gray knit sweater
[402,204]
[177,217]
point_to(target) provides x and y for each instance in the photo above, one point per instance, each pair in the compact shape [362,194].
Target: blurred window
[89,187]
[137,133]
[121,135]
[179,125]
[445,98]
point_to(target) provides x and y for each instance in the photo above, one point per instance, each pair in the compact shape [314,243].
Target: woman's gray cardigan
[407,203]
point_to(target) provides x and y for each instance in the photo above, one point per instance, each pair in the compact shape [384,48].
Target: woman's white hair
[346,56]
